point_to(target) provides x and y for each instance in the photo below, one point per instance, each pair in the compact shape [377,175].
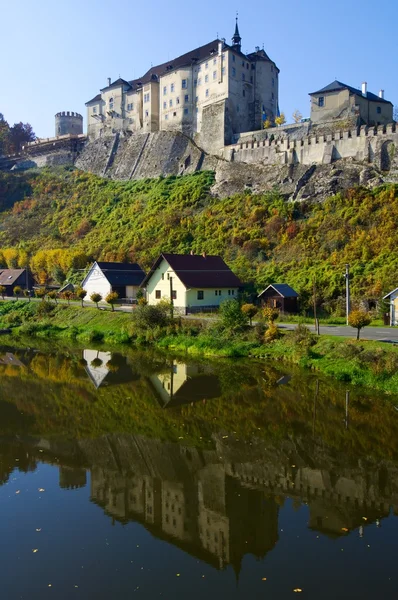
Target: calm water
[141,476]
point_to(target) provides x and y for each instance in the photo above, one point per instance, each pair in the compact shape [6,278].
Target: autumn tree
[26,293]
[359,319]
[270,314]
[3,290]
[250,311]
[17,291]
[111,299]
[68,295]
[297,116]
[41,293]
[53,295]
[280,120]
[81,294]
[95,297]
[267,123]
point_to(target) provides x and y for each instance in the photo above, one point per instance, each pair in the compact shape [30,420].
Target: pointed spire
[236,40]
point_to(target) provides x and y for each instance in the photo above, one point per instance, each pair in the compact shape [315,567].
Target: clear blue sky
[56,55]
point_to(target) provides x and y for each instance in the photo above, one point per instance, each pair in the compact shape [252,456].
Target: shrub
[26,293]
[3,290]
[53,295]
[359,319]
[81,294]
[45,308]
[272,333]
[250,311]
[67,295]
[41,293]
[231,316]
[270,314]
[111,298]
[17,291]
[147,316]
[95,297]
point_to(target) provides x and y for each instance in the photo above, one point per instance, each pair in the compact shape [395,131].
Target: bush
[250,311]
[359,319]
[231,315]
[111,299]
[17,291]
[95,297]
[147,316]
[81,294]
[272,333]
[270,314]
[45,308]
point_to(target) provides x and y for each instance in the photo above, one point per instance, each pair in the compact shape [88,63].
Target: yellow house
[393,297]
[192,282]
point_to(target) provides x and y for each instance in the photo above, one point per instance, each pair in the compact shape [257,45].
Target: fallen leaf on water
[18,492]
[365,518]
[50,585]
[178,574]
[344,529]
[34,550]
[42,490]
[264,579]
[297,590]
[38,529]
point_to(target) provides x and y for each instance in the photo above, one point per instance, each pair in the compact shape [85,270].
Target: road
[382,334]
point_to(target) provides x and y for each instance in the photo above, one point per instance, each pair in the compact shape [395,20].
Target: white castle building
[210,94]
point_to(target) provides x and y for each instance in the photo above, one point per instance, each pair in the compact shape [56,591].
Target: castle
[210,94]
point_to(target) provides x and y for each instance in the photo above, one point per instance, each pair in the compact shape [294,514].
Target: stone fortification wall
[375,145]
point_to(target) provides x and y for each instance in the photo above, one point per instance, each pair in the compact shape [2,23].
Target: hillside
[61,219]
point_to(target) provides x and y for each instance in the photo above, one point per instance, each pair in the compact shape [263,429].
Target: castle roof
[336,86]
[119,82]
[96,98]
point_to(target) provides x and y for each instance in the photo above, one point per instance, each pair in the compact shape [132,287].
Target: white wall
[96,282]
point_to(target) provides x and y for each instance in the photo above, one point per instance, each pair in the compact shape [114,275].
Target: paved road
[384,334]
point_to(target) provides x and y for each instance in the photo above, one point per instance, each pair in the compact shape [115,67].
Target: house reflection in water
[184,383]
[107,368]
[10,359]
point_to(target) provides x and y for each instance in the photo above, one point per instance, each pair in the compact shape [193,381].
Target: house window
[174,294]
[94,109]
[186,98]
[206,79]
[158,294]
[164,104]
[321,101]
[207,93]
[165,90]
[216,292]
[170,103]
[233,292]
[378,110]
[172,87]
[162,276]
[214,74]
[233,72]
[110,103]
[229,292]
[201,294]
[184,84]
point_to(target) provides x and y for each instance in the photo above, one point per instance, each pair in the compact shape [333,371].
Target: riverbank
[367,363]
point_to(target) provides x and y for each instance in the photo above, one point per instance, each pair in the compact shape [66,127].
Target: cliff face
[166,153]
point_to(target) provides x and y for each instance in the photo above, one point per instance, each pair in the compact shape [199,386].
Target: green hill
[61,219]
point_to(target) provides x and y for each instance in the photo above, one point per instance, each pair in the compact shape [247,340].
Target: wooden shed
[281,296]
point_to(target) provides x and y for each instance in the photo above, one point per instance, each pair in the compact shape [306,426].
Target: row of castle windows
[207,64]
[184,86]
[186,99]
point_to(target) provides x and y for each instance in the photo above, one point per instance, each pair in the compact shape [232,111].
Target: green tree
[26,293]
[4,133]
[111,298]
[231,315]
[17,291]
[3,290]
[250,311]
[359,319]
[20,134]
[53,295]
[95,297]
[81,294]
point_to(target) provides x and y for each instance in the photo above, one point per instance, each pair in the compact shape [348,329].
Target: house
[339,101]
[122,278]
[393,298]
[194,282]
[281,296]
[10,278]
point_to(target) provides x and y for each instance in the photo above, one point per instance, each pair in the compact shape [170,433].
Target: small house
[193,282]
[10,278]
[393,299]
[280,296]
[105,277]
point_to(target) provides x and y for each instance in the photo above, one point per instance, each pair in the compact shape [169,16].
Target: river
[136,474]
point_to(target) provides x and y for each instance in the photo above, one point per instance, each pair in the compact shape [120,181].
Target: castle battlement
[69,114]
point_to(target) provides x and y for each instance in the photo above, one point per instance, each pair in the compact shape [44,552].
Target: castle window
[110,103]
[197,110]
[178,100]
[206,79]
[166,117]
[378,110]
[201,295]
[206,65]
[184,84]
[243,63]
[233,58]
[165,90]
[130,106]
[172,87]
[186,98]
[195,82]
[238,108]
[94,109]
[321,101]
[251,78]
[243,77]
[199,81]
[273,95]
[214,74]
[272,68]
[207,93]
[214,61]
[170,103]
[273,82]
[196,98]
[164,104]
[244,93]
[174,114]
[146,97]
[233,72]
[223,70]
[147,113]
[186,111]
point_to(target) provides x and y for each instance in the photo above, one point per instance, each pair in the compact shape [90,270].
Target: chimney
[364,88]
[220,47]
[109,81]
[381,94]
[257,48]
[204,254]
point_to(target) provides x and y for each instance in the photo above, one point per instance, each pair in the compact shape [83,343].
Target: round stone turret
[68,122]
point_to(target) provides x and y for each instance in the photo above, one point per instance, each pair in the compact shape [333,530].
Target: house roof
[338,85]
[10,276]
[122,273]
[390,293]
[282,289]
[198,271]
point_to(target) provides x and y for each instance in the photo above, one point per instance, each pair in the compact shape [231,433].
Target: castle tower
[68,123]
[236,39]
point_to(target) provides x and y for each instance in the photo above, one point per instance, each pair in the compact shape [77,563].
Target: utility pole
[347,291]
[316,320]
[171,299]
